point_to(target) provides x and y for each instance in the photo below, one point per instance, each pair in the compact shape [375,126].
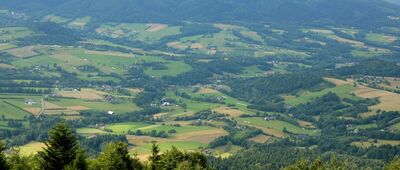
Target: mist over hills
[347,12]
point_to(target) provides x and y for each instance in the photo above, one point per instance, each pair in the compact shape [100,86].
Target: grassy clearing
[252,71]
[380,38]
[12,33]
[80,23]
[276,124]
[225,151]
[181,129]
[125,127]
[55,18]
[6,46]
[395,127]
[148,33]
[260,138]
[31,148]
[174,68]
[367,126]
[343,91]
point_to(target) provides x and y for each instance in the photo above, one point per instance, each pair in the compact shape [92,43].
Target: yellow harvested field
[156,27]
[7,66]
[229,111]
[52,106]
[207,90]
[140,140]
[23,52]
[77,108]
[83,94]
[260,138]
[388,101]
[112,53]
[177,45]
[34,111]
[306,124]
[196,46]
[337,82]
[204,136]
[270,131]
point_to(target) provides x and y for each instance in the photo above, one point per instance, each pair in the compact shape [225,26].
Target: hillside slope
[349,12]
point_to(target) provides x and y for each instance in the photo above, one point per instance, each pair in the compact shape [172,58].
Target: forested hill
[348,12]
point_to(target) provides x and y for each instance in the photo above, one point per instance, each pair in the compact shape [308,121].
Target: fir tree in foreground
[61,149]
[116,156]
[3,160]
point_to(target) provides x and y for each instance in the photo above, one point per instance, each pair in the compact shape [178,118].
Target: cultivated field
[277,125]
[379,142]
[23,52]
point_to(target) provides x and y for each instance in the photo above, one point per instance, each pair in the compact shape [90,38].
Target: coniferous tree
[61,149]
[393,165]
[154,158]
[3,159]
[116,157]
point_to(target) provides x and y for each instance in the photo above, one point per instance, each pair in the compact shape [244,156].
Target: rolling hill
[348,12]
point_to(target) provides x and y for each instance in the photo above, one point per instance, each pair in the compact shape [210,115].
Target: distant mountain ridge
[349,12]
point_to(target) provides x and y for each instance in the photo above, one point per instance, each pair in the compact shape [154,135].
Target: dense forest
[354,12]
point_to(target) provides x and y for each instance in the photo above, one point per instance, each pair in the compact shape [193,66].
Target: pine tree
[61,149]
[116,156]
[3,159]
[393,165]
[154,157]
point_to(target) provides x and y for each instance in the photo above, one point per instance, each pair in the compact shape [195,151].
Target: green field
[343,91]
[181,129]
[107,62]
[12,33]
[80,22]
[380,38]
[12,106]
[31,148]
[55,18]
[125,127]
[152,37]
[136,31]
[276,124]
[395,127]
[173,67]
[6,46]
[252,71]
[126,106]
[367,126]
